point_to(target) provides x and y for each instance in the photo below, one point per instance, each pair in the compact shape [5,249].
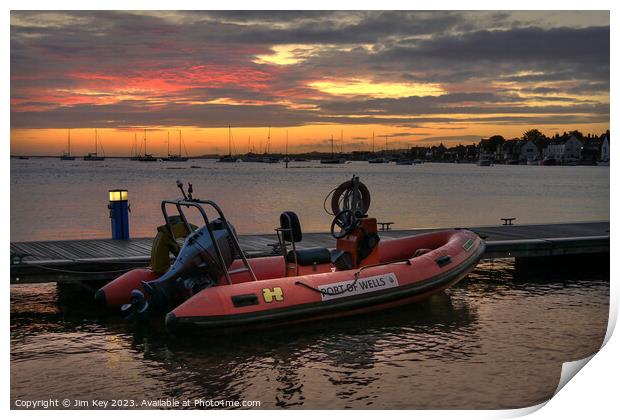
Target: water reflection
[459,349]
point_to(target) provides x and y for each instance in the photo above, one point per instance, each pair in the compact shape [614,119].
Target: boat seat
[310,256]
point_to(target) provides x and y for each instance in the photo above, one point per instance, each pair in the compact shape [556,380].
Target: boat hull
[401,279]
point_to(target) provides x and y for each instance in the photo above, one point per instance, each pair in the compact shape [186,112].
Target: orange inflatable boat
[212,285]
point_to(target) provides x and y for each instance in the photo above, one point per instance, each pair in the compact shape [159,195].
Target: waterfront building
[564,150]
[605,150]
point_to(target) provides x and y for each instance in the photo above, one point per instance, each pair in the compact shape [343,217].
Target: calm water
[496,340]
[52,199]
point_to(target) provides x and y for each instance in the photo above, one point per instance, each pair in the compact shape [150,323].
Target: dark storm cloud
[459,103]
[51,50]
[536,44]
[138,114]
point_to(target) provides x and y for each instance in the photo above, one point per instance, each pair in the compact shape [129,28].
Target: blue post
[119,214]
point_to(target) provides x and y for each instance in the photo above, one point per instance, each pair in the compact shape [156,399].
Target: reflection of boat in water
[484,162]
[548,161]
[377,160]
[23,157]
[362,274]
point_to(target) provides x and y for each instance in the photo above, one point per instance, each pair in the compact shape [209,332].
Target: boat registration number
[361,286]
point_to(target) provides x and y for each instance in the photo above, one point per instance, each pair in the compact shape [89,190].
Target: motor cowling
[197,266]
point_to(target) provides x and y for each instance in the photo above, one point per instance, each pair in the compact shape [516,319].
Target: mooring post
[119,214]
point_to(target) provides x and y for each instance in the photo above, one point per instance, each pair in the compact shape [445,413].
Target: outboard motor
[197,266]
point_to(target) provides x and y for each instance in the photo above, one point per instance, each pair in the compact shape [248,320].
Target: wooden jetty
[105,259]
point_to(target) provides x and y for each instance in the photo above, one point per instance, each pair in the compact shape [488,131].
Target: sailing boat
[67,155]
[146,157]
[134,149]
[266,158]
[333,160]
[179,157]
[230,158]
[92,156]
[375,159]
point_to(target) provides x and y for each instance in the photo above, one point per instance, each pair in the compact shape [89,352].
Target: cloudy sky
[415,77]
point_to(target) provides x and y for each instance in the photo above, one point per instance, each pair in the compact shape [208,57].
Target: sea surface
[54,199]
[495,340]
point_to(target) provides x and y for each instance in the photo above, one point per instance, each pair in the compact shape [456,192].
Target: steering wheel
[346,221]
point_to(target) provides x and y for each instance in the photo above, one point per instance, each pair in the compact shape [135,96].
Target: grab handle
[444,260]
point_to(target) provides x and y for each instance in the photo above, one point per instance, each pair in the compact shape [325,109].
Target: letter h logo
[270,295]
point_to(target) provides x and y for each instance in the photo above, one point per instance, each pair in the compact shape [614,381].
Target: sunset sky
[415,77]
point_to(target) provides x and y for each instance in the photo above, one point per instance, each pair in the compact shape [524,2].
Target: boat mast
[145,142]
[332,146]
[386,146]
[69,141]
[95,142]
[229,141]
[168,142]
[180,141]
[373,142]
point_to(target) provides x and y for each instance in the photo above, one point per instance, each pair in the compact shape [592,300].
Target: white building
[564,150]
[528,152]
[605,150]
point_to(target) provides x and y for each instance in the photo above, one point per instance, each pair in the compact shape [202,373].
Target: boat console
[355,233]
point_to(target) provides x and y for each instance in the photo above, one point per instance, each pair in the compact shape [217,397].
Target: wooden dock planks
[98,259]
